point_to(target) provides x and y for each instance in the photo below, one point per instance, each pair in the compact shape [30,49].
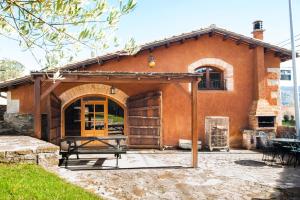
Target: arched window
[211,79]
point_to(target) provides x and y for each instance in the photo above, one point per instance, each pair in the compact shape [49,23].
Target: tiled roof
[212,30]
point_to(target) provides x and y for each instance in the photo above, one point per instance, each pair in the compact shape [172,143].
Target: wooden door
[144,120]
[94,118]
[54,118]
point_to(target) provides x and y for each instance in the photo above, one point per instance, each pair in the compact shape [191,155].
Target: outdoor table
[287,146]
[286,140]
[74,148]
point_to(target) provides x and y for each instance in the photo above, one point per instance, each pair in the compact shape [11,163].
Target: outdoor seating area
[285,150]
[75,145]
[155,174]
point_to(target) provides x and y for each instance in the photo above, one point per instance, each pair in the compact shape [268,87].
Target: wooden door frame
[123,106]
[105,114]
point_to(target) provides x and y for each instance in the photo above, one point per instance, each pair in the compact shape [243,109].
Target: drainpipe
[296,97]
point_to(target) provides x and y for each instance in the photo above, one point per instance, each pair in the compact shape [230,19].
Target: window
[285,75]
[211,79]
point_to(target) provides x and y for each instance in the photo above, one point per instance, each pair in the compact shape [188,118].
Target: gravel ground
[238,174]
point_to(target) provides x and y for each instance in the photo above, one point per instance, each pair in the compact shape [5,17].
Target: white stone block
[13,106]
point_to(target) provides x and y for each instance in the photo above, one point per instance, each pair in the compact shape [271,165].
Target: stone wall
[25,149]
[2,111]
[21,123]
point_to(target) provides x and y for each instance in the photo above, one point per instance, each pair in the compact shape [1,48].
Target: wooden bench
[75,145]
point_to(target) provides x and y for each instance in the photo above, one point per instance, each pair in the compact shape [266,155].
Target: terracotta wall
[176,97]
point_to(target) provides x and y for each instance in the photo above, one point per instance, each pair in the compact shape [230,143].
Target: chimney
[258,31]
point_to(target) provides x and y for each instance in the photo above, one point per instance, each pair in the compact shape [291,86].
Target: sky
[156,19]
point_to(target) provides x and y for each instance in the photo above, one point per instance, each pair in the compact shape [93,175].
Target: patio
[239,174]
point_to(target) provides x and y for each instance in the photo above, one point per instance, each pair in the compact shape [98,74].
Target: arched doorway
[93,115]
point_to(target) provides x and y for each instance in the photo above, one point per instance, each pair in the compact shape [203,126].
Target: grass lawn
[32,182]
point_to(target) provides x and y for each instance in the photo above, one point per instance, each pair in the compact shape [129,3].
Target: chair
[269,151]
[296,154]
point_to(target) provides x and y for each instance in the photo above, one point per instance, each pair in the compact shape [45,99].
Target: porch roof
[118,77]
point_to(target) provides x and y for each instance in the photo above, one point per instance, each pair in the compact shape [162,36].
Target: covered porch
[141,115]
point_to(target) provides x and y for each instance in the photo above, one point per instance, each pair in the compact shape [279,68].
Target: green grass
[32,182]
[115,118]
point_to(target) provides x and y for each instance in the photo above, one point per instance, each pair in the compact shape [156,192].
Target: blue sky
[156,19]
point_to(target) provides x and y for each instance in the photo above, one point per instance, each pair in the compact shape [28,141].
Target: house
[208,72]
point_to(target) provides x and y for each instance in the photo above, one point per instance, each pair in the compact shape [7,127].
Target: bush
[286,118]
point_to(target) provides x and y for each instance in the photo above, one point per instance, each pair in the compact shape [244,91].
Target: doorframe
[105,115]
[123,106]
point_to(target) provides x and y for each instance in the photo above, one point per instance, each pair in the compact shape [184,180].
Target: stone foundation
[2,111]
[21,123]
[25,149]
[249,139]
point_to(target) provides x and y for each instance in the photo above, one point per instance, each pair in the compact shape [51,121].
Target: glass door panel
[94,118]
[99,108]
[99,121]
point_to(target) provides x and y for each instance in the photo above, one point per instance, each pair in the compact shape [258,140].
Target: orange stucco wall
[176,97]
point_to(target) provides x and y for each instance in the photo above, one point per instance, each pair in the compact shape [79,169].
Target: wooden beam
[277,54]
[238,42]
[194,123]
[50,89]
[151,49]
[37,107]
[252,46]
[111,79]
[225,37]
[100,62]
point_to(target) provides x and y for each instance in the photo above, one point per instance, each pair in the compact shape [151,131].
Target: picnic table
[81,145]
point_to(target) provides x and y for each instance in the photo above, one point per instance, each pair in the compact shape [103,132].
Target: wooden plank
[145,136]
[55,116]
[50,89]
[144,120]
[143,117]
[161,123]
[37,107]
[145,108]
[48,118]
[145,127]
[126,80]
[194,128]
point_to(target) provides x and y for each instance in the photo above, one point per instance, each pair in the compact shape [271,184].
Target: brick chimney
[262,115]
[258,31]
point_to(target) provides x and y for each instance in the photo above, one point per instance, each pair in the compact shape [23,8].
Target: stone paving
[25,149]
[239,174]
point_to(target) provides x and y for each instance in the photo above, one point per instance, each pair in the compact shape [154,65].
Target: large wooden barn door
[54,117]
[144,120]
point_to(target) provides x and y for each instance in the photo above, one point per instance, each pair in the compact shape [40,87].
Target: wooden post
[37,107]
[194,124]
